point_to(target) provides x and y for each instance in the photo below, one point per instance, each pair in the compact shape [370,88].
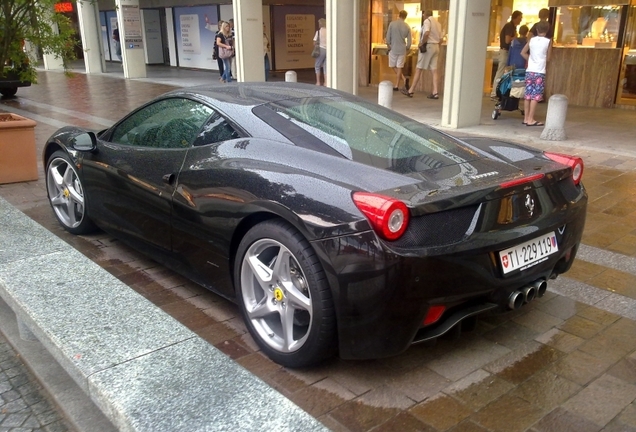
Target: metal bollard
[385,94]
[555,118]
[290,76]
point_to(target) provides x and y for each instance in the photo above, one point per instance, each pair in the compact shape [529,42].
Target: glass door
[627,82]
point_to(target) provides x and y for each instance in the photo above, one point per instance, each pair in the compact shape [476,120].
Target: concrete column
[343,34]
[465,62]
[90,31]
[52,61]
[131,37]
[172,44]
[291,76]
[248,28]
[555,118]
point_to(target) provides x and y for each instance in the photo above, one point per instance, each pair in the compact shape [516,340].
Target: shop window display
[587,26]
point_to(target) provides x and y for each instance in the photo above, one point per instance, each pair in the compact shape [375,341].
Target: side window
[168,123]
[217,129]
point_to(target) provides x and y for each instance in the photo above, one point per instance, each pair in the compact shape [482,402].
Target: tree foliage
[34,21]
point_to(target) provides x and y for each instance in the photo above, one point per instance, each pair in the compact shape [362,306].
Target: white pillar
[465,62]
[555,118]
[131,37]
[385,94]
[90,31]
[172,44]
[52,61]
[248,42]
[291,76]
[343,35]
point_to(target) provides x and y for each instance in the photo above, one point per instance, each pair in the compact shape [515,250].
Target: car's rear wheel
[66,194]
[284,295]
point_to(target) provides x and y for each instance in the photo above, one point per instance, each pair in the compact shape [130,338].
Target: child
[537,52]
[514,54]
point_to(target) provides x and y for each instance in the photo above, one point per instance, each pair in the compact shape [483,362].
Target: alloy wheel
[276,296]
[65,193]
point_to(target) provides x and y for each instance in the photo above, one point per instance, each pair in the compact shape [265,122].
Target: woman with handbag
[320,51]
[225,51]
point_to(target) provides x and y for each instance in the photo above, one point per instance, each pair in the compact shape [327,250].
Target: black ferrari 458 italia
[337,225]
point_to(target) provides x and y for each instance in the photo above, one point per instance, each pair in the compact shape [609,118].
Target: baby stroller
[511,88]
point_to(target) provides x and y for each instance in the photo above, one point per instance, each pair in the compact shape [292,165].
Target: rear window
[366,133]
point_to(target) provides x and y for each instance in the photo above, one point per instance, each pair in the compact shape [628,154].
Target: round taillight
[389,217]
[577,172]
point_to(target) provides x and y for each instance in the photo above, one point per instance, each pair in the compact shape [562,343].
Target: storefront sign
[132,27]
[190,36]
[294,30]
[63,7]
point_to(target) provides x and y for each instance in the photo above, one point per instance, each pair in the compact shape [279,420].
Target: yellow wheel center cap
[278,294]
[66,193]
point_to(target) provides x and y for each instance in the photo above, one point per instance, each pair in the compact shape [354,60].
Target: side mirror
[86,141]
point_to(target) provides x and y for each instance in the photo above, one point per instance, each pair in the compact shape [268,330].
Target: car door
[203,219]
[130,178]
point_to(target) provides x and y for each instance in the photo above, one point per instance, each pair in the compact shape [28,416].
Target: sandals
[433,96]
[405,92]
[537,123]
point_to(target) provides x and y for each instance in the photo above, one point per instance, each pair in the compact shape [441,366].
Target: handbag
[423,48]
[225,53]
[315,53]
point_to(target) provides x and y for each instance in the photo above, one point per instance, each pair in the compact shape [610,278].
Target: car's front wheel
[284,295]
[66,194]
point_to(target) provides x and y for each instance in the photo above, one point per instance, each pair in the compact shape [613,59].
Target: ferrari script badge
[529,204]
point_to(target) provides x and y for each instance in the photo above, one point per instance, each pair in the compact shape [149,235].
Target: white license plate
[527,254]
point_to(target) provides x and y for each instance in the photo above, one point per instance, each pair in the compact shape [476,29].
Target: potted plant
[36,22]
[18,161]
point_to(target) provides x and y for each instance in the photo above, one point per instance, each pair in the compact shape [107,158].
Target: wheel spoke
[287,322]
[57,178]
[297,298]
[70,212]
[281,265]
[58,199]
[76,196]
[68,176]
[261,272]
[261,309]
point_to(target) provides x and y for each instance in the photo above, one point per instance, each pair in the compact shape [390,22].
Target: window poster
[196,28]
[294,31]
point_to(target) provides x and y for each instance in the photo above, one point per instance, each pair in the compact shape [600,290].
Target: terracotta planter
[18,161]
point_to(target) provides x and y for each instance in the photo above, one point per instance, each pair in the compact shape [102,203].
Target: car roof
[257,93]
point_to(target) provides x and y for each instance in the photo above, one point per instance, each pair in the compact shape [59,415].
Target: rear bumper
[382,297]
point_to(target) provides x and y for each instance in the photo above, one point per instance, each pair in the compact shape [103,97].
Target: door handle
[168,178]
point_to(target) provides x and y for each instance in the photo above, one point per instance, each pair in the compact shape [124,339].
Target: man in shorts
[537,52]
[398,40]
[431,36]
[508,33]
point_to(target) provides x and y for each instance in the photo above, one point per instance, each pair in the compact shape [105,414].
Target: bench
[143,369]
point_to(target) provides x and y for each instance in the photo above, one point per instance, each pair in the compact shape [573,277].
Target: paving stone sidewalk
[24,406]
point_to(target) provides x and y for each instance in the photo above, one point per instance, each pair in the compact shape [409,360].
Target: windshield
[369,134]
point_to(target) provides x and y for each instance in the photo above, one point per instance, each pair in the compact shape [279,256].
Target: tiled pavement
[562,363]
[23,405]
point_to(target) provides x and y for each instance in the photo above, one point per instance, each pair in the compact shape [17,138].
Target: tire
[66,194]
[9,92]
[284,295]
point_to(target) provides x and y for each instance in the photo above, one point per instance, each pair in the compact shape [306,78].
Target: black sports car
[335,224]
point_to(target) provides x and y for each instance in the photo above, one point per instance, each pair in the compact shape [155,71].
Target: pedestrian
[223,41]
[544,14]
[117,43]
[266,49]
[320,39]
[215,49]
[233,43]
[508,33]
[515,58]
[537,51]
[398,40]
[430,37]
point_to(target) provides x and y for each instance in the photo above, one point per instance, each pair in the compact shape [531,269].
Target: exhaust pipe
[515,301]
[529,293]
[541,285]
